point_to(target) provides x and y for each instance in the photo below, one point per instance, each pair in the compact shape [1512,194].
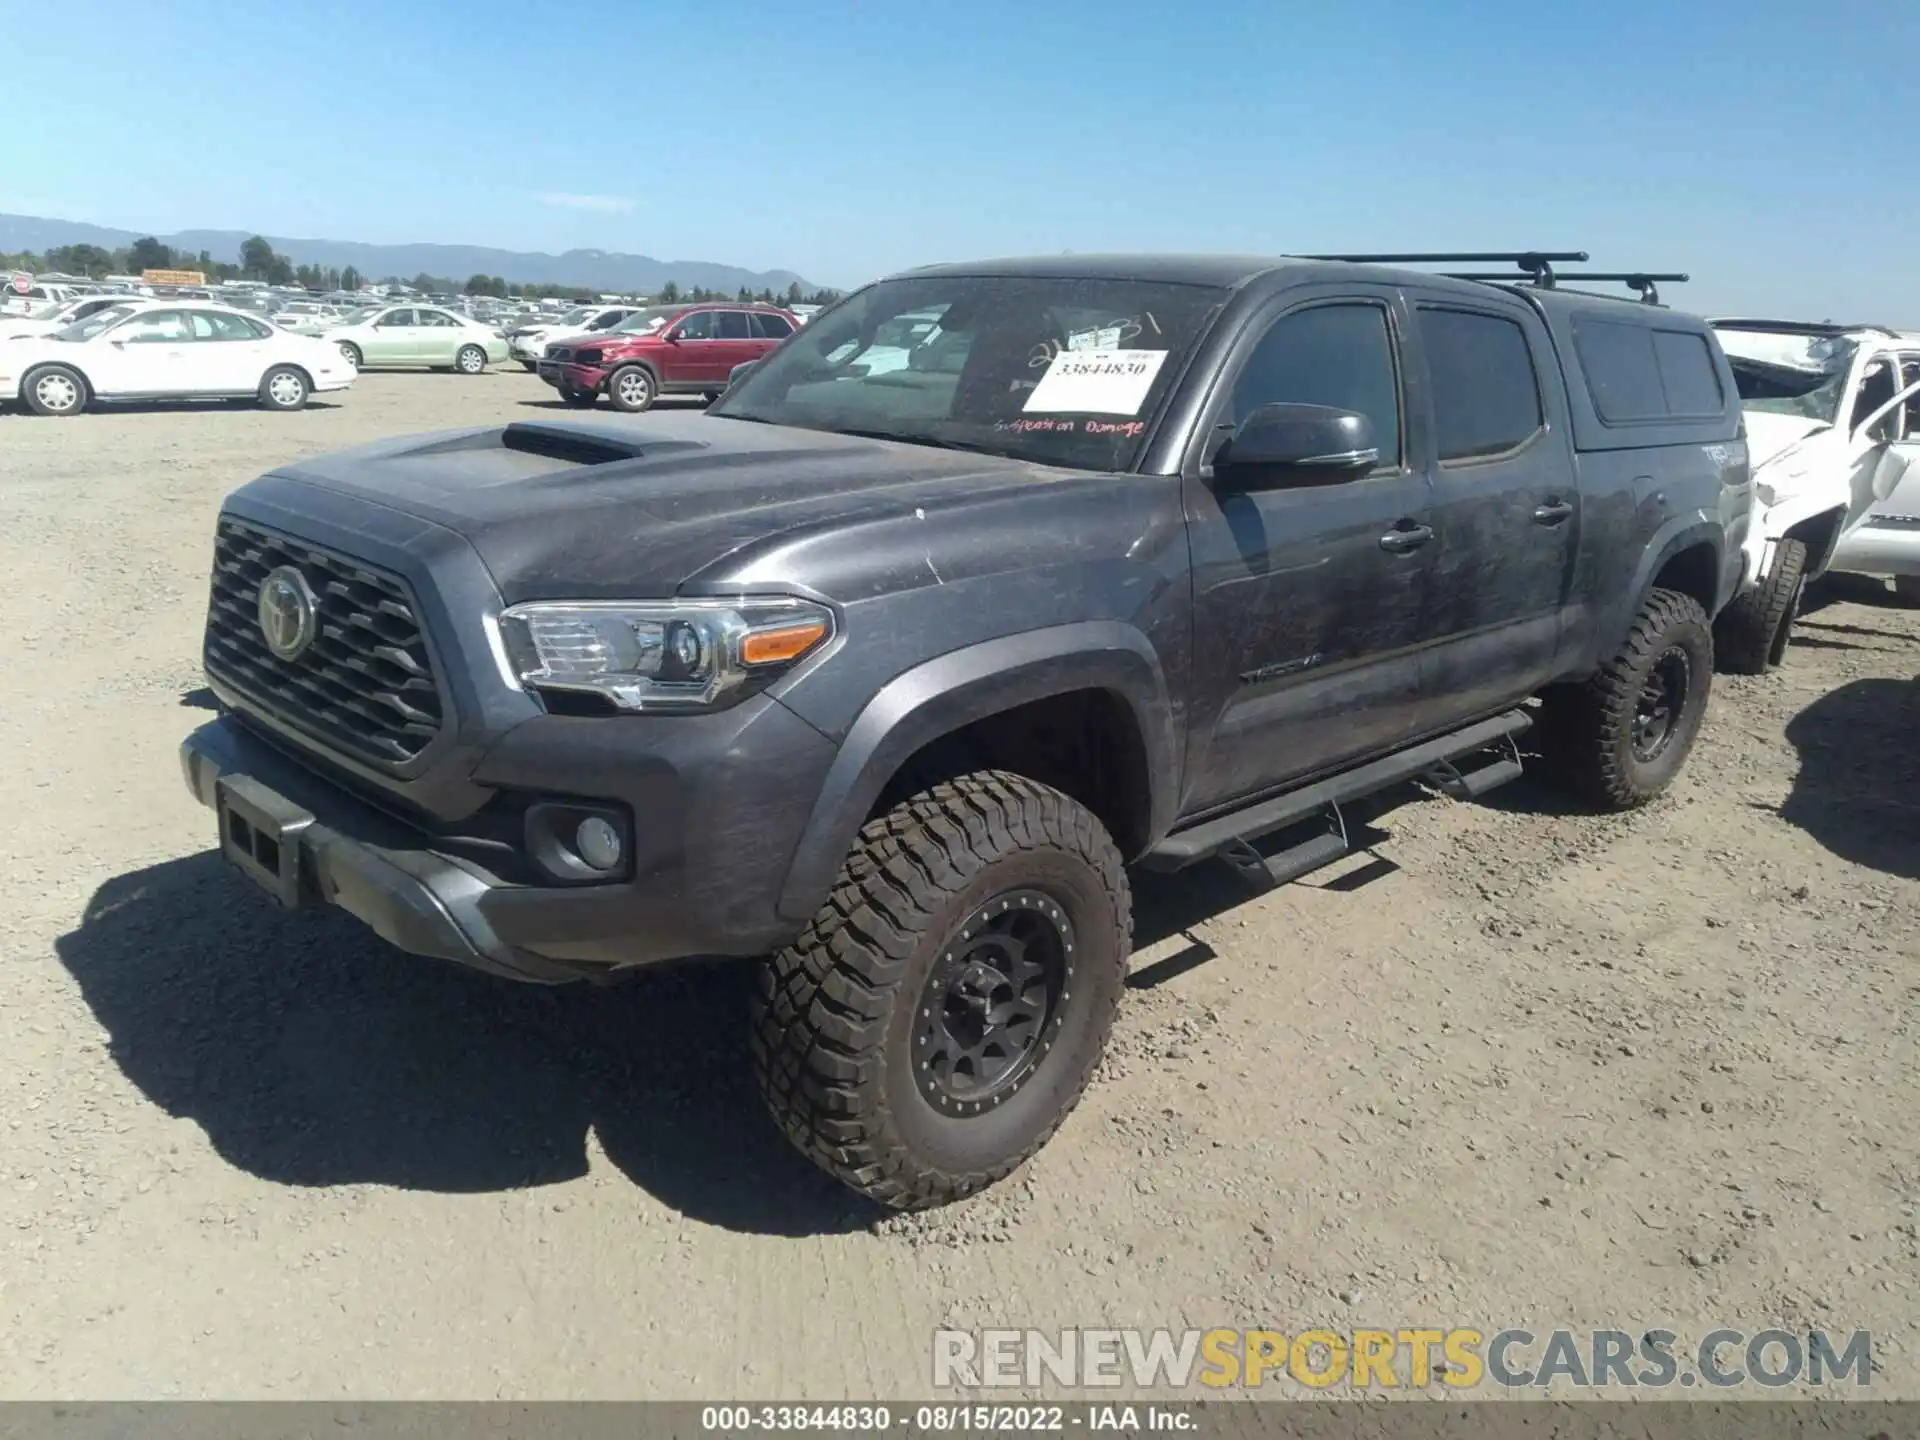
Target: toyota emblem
[289,612]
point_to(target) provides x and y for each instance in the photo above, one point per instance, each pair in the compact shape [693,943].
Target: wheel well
[74,370]
[1085,743]
[301,370]
[1693,571]
[634,362]
[1819,533]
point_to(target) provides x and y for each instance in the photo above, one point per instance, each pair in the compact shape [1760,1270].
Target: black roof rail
[1538,264]
[1646,282]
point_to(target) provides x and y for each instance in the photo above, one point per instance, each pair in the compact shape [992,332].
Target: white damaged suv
[1827,409]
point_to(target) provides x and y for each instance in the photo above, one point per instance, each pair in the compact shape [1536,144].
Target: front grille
[364,685]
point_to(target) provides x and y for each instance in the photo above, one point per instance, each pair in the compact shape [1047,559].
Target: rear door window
[733,325]
[1486,395]
[770,327]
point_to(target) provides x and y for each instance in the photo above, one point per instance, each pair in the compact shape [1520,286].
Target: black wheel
[1752,632]
[54,390]
[1621,737]
[941,1015]
[580,399]
[284,388]
[350,352]
[471,360]
[631,389]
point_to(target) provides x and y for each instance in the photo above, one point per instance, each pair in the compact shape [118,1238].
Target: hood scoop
[578,445]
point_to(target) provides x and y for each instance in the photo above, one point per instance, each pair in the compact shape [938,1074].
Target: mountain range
[598,269]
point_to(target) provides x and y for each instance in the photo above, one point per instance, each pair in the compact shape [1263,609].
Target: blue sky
[1765,147]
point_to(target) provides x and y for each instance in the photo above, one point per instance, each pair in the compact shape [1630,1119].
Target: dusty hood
[1769,434]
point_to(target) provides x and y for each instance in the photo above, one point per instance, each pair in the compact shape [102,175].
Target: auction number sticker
[1096,382]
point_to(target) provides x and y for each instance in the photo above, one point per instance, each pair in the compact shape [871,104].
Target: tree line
[260,261]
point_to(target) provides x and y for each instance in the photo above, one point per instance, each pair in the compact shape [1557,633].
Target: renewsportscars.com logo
[1459,1358]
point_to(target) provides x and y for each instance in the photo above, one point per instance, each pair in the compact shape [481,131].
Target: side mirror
[672,337]
[740,372]
[1284,443]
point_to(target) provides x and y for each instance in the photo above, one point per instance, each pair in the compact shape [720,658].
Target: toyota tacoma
[888,673]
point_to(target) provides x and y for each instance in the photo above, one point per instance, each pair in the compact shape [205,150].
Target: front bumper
[573,377]
[717,812]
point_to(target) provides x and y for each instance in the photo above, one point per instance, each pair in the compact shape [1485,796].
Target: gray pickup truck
[889,671]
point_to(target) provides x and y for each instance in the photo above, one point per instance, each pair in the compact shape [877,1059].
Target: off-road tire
[1589,727]
[834,1014]
[1751,634]
[65,391]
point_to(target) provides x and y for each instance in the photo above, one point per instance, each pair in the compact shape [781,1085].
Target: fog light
[598,843]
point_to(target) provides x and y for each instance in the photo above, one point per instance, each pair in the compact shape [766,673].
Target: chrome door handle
[1406,540]
[1552,513]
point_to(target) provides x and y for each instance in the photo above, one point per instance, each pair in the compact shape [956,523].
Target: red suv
[665,350]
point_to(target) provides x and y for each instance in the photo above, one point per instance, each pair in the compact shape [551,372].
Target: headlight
[659,654]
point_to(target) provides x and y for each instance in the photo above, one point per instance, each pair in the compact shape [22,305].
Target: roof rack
[1538,264]
[1646,283]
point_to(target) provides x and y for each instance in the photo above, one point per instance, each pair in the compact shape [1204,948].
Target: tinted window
[1622,374]
[770,327]
[1338,355]
[1876,389]
[733,325]
[699,326]
[1687,371]
[1486,399]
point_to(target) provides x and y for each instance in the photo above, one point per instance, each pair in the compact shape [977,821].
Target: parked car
[664,350]
[423,335]
[71,313]
[888,676]
[147,350]
[527,343]
[1826,409]
[1887,541]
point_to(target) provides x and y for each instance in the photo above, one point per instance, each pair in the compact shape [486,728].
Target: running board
[1431,759]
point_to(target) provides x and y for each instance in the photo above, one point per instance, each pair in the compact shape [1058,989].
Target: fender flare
[1682,532]
[952,691]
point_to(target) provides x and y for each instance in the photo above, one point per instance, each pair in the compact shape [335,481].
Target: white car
[71,313]
[167,351]
[527,342]
[1826,410]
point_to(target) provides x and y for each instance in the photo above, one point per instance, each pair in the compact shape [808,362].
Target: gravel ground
[1514,1066]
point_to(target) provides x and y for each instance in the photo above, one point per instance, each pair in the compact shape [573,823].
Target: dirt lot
[1519,1066]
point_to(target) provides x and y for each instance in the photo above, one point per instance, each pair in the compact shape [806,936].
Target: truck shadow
[1858,788]
[313,1054]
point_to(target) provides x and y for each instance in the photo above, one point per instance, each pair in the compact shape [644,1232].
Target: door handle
[1406,538]
[1552,513]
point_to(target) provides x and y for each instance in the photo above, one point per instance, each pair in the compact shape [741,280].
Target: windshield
[652,318]
[91,326]
[1800,375]
[1061,371]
